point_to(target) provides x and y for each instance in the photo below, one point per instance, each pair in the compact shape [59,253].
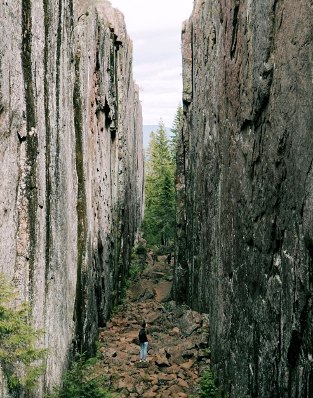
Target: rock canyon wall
[71,165]
[245,191]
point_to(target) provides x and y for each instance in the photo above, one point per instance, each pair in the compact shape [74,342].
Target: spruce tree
[19,353]
[159,219]
[175,131]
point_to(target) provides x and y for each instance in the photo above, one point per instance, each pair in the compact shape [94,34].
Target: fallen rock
[204,354]
[188,354]
[182,383]
[149,394]
[175,331]
[187,365]
[140,388]
[174,390]
[108,353]
[166,377]
[162,361]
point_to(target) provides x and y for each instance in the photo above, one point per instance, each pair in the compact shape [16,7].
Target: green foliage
[139,255]
[134,270]
[208,386]
[176,131]
[83,381]
[138,260]
[164,250]
[159,219]
[140,250]
[18,352]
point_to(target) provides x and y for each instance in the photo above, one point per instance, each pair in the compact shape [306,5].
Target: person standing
[143,342]
[169,258]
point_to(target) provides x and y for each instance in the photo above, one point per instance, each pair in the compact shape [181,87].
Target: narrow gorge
[72,192]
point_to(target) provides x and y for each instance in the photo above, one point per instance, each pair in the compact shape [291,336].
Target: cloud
[145,15]
[155,29]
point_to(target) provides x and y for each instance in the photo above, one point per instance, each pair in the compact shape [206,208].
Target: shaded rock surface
[176,335]
[71,165]
[244,186]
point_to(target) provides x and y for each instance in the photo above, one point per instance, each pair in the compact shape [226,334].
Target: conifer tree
[175,131]
[160,170]
[159,219]
[19,354]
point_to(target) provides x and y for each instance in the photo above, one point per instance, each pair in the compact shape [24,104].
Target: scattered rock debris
[178,349]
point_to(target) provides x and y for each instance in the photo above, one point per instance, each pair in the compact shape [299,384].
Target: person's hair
[143,324]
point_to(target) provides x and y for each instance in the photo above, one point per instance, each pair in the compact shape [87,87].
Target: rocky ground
[178,350]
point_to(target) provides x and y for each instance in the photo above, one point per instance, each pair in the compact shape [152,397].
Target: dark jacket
[142,336]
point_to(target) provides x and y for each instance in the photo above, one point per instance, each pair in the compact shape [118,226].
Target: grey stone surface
[71,165]
[244,184]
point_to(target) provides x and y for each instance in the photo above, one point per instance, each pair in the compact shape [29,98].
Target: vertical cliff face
[71,164]
[245,184]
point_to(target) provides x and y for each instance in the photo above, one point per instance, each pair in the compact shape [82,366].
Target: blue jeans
[143,350]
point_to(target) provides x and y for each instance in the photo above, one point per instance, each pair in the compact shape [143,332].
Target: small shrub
[139,255]
[18,352]
[134,270]
[82,381]
[140,250]
[208,387]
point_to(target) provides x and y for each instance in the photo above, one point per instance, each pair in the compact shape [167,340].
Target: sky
[155,29]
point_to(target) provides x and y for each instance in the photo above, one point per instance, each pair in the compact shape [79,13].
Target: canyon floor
[178,349]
